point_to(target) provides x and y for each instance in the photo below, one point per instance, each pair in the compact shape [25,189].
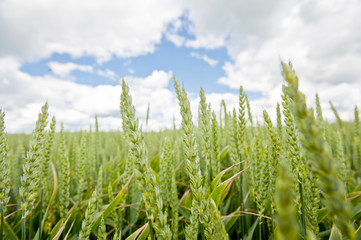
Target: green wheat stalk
[205,127]
[203,208]
[87,222]
[64,183]
[31,177]
[4,172]
[321,160]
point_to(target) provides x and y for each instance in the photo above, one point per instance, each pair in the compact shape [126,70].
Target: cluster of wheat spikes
[227,178]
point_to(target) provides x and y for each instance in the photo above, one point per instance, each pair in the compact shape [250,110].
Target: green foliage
[102,235]
[322,162]
[4,172]
[287,225]
[4,164]
[80,168]
[205,127]
[32,168]
[228,178]
[64,184]
[87,222]
[145,177]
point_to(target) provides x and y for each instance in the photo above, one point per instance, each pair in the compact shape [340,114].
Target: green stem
[302,208]
[237,231]
[23,229]
[151,229]
[128,210]
[273,224]
[122,216]
[130,224]
[210,174]
[40,212]
[30,225]
[265,229]
[2,220]
[259,226]
[260,230]
[240,195]
[202,231]
[52,199]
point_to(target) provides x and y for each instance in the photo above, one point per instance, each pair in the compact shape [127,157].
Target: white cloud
[22,95]
[175,39]
[217,21]
[210,61]
[208,42]
[172,34]
[64,69]
[107,74]
[97,28]
[321,38]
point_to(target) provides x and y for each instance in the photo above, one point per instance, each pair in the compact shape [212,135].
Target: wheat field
[228,177]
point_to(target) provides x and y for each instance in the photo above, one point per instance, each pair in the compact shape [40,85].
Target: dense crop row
[228,178]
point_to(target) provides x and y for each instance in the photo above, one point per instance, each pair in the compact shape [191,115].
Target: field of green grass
[229,177]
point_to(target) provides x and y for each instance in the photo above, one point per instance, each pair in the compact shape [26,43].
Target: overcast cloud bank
[322,39]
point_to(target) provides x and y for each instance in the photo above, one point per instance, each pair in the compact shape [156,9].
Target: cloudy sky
[74,54]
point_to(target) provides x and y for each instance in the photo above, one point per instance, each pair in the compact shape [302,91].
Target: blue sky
[192,71]
[75,57]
